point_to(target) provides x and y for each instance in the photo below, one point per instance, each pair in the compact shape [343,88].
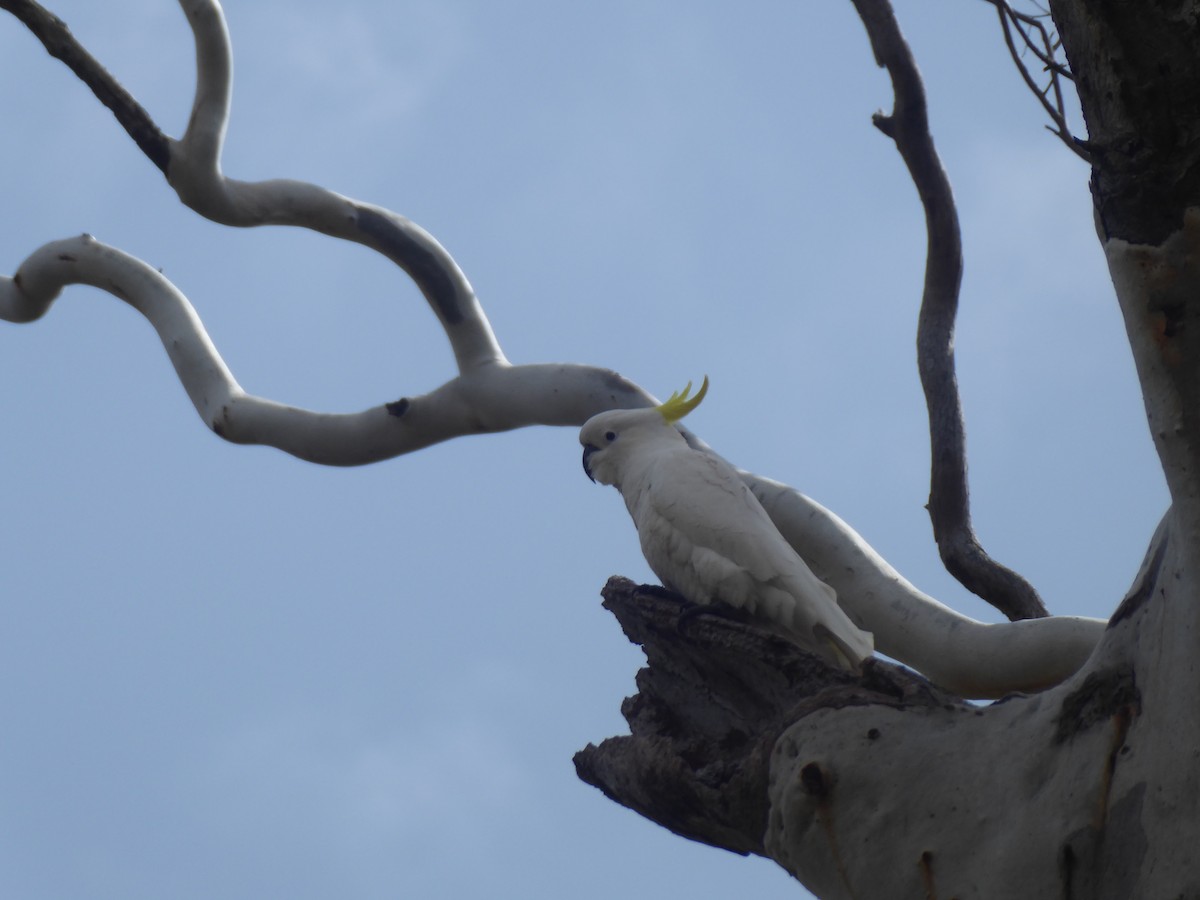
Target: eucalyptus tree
[885,783]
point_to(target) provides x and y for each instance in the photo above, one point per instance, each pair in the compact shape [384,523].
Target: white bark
[1058,794]
[1089,789]
[486,398]
[1155,287]
[962,655]
[195,174]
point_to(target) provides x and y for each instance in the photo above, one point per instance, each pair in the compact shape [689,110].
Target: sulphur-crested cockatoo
[706,535]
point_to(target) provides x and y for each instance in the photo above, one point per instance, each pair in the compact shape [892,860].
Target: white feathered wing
[707,537]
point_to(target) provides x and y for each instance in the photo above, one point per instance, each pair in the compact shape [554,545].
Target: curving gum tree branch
[949,498]
[960,654]
[494,398]
[195,174]
[489,394]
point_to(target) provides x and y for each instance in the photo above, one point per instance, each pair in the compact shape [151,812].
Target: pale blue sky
[227,673]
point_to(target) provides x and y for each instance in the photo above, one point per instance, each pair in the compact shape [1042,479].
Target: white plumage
[705,534]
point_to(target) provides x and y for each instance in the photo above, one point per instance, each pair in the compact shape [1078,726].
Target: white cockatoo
[704,532]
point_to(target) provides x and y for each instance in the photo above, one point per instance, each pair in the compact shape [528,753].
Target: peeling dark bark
[423,266]
[1102,696]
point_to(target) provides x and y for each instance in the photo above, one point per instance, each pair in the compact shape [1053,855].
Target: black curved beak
[587,452]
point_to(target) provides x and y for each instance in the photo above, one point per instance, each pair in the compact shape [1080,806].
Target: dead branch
[949,503]
[61,44]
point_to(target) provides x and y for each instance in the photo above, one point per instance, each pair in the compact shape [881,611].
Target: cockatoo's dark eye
[610,436]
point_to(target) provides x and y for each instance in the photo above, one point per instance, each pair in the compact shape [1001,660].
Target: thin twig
[949,503]
[1043,47]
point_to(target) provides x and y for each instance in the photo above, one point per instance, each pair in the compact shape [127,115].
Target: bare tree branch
[61,44]
[492,398]
[970,658]
[949,503]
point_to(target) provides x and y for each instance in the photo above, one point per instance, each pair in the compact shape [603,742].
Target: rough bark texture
[716,695]
[1135,71]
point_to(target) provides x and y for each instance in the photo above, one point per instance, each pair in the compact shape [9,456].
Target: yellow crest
[678,405]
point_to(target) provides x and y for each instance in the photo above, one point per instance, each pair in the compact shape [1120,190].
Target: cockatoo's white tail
[706,535]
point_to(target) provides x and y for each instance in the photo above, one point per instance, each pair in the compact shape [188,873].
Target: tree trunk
[888,787]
